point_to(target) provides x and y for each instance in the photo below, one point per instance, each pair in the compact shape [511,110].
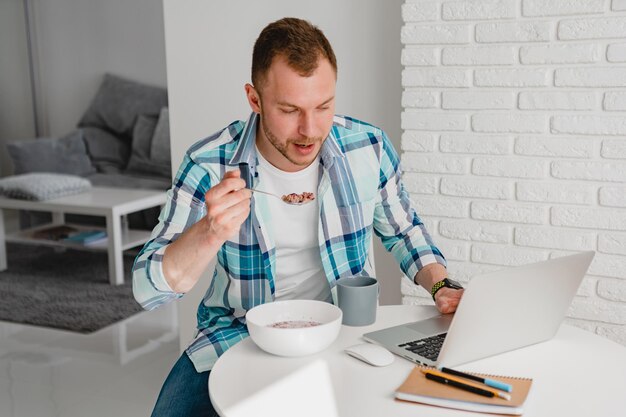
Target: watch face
[454,283]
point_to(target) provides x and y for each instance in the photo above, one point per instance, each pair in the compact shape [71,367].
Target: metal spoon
[279,197]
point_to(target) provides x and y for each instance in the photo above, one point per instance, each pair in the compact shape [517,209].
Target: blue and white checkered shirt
[360,192]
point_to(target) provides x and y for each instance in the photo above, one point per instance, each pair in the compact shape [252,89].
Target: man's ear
[254,98]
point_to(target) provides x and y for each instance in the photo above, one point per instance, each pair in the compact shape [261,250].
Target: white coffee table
[112,203]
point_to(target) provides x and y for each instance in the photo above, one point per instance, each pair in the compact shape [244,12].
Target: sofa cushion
[140,162]
[142,137]
[119,102]
[65,155]
[108,152]
[42,186]
[148,168]
[160,149]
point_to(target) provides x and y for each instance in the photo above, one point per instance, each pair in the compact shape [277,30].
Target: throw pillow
[42,186]
[160,150]
[142,137]
[119,102]
[65,155]
[140,162]
[106,150]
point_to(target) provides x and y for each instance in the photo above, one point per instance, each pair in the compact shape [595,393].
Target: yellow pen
[464,385]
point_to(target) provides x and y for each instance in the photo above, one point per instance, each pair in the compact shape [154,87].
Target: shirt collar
[246,151]
[330,149]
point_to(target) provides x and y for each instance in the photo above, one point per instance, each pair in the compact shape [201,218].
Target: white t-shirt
[299,270]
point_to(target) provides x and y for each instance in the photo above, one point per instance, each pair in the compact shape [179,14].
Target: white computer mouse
[370,353]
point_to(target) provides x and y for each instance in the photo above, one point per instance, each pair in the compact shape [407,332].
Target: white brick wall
[514,143]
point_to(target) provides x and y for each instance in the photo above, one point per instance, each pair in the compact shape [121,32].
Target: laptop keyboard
[428,347]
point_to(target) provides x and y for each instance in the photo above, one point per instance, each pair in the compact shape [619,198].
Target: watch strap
[441,284]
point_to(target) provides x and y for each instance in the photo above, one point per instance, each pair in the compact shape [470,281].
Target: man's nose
[307,125]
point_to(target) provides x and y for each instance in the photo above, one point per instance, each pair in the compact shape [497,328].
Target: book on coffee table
[87,237]
[57,232]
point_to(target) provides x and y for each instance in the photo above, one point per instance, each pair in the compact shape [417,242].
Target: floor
[116,371]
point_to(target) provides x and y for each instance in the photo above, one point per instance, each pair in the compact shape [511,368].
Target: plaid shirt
[360,191]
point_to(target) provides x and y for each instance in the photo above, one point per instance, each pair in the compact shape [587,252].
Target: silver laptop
[499,311]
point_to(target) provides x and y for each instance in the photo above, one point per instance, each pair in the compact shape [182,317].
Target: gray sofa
[122,140]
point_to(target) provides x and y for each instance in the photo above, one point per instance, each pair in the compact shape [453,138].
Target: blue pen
[490,382]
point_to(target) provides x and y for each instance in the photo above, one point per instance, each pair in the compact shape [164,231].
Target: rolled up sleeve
[183,208]
[396,222]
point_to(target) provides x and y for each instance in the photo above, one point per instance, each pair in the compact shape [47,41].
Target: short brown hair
[298,41]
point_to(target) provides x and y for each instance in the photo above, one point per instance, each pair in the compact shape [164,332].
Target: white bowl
[294,341]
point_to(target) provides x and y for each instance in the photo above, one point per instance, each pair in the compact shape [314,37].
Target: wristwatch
[447,283]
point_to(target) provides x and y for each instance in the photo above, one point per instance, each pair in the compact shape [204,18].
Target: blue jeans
[185,392]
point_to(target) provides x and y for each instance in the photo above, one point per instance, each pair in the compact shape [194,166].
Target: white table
[576,373]
[112,203]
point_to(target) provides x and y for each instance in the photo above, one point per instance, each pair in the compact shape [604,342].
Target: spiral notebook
[416,388]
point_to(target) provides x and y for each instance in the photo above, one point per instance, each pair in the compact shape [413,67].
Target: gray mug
[358,300]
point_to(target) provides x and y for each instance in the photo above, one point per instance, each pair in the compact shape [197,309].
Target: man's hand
[227,207]
[447,300]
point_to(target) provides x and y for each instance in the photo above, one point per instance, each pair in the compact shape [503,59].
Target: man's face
[296,114]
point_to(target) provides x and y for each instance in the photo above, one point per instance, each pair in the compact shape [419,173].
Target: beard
[283,148]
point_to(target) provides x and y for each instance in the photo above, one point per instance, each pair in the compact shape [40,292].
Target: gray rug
[68,290]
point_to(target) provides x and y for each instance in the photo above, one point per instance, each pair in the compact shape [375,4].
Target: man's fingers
[227,205]
[229,221]
[232,175]
[449,300]
[227,201]
[227,185]
[235,173]
[237,213]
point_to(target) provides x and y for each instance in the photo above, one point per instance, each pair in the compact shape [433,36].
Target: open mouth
[304,149]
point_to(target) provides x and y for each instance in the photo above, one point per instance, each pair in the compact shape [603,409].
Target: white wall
[209,48]
[514,121]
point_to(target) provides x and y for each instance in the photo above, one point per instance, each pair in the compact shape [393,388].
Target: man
[266,249]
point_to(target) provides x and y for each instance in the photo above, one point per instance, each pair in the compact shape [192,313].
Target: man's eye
[289,111]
